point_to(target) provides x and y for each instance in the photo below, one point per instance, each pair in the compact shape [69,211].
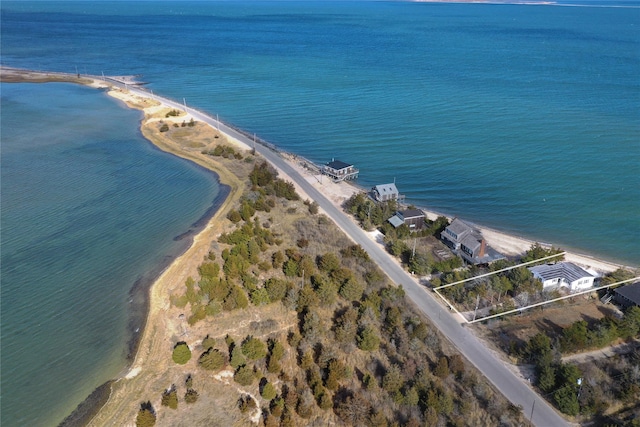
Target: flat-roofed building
[627,295]
[339,171]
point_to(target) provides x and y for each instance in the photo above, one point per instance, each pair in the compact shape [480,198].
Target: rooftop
[566,270]
[411,213]
[460,228]
[630,292]
[386,189]
[337,165]
[396,221]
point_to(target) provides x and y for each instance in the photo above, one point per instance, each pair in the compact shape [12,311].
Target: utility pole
[477,303]
[531,417]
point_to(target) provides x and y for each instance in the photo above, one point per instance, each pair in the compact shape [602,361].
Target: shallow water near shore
[89,208]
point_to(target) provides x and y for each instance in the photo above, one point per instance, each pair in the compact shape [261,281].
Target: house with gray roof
[627,295]
[385,192]
[466,241]
[413,218]
[339,171]
[563,274]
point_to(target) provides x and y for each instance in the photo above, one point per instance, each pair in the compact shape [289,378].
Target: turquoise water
[89,208]
[522,118]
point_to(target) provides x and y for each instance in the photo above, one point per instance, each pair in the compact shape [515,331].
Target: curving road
[514,388]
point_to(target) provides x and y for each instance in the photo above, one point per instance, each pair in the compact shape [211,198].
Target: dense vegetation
[359,354]
[576,391]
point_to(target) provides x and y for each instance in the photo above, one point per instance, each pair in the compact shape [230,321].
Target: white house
[563,274]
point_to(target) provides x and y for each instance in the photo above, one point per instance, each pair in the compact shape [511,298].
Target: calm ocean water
[89,207]
[521,118]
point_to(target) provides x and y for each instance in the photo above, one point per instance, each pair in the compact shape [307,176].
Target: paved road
[502,378]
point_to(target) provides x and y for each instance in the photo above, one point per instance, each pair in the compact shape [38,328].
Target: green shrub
[146,415]
[191,396]
[164,127]
[170,398]
[268,391]
[244,376]
[254,348]
[368,339]
[208,342]
[181,353]
[212,359]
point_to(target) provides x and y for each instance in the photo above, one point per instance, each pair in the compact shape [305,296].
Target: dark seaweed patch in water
[86,410]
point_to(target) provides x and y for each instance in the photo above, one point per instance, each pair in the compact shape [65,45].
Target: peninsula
[357,376]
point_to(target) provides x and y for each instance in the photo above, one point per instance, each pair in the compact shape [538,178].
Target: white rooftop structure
[563,274]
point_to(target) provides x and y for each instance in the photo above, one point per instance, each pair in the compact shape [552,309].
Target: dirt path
[603,353]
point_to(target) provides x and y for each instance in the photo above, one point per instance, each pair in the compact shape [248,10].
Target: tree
[276,288]
[368,339]
[244,376]
[237,359]
[170,397]
[191,396]
[260,297]
[336,372]
[181,353]
[208,342]
[547,378]
[351,290]
[420,263]
[442,368]
[575,336]
[212,360]
[268,391]
[246,403]
[146,415]
[566,399]
[328,262]
[254,348]
[630,324]
[236,299]
[393,380]
[353,410]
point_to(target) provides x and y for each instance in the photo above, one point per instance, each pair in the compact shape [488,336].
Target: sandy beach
[163,325]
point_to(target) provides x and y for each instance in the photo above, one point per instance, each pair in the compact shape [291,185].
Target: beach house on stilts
[339,171]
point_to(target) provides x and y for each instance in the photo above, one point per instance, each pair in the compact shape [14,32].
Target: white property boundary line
[521,309]
[499,271]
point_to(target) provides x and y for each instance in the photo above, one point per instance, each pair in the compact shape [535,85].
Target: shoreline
[156,294]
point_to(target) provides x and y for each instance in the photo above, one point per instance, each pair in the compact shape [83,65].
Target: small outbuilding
[339,171]
[563,274]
